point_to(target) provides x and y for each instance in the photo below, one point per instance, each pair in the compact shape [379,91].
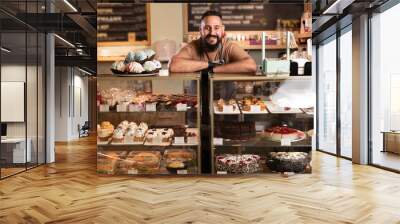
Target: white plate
[301,137]
[135,75]
[237,111]
[126,143]
[275,109]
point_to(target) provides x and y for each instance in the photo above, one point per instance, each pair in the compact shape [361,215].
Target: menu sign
[248,16]
[121,22]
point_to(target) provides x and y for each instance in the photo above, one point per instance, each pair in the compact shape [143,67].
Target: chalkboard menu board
[121,22]
[248,16]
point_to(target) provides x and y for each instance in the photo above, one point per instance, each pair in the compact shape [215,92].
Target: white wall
[69,82]
[167,22]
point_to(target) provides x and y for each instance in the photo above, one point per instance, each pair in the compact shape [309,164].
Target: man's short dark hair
[211,13]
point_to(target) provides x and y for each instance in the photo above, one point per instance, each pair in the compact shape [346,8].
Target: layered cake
[288,161]
[105,130]
[282,132]
[236,130]
[238,164]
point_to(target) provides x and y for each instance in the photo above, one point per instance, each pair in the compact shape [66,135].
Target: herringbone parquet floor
[70,191]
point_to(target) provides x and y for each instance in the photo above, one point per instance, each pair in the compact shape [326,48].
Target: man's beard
[210,47]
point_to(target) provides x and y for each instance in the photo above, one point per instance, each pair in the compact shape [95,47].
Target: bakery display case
[148,124]
[261,124]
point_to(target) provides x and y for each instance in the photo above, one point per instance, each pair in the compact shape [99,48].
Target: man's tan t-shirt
[228,51]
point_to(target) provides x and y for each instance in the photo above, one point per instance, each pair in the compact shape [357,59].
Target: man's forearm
[187,65]
[245,66]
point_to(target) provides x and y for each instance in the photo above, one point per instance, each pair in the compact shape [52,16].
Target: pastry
[118,136]
[247,102]
[238,164]
[140,56]
[178,154]
[105,130]
[130,135]
[124,125]
[288,161]
[130,57]
[150,54]
[139,135]
[145,161]
[221,103]
[149,66]
[157,64]
[278,133]
[118,66]
[135,67]
[143,126]
[107,162]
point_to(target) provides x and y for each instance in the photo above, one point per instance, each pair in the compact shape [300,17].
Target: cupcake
[130,134]
[150,54]
[135,67]
[105,130]
[139,135]
[118,136]
[130,57]
[118,67]
[157,64]
[143,126]
[149,66]
[140,56]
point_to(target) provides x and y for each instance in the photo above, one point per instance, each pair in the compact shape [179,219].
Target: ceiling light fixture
[70,5]
[5,50]
[64,40]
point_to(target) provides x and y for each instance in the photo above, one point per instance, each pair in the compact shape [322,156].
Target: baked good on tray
[105,130]
[278,133]
[130,57]
[236,130]
[140,56]
[221,103]
[288,161]
[107,161]
[135,67]
[150,54]
[178,159]
[247,102]
[118,136]
[118,67]
[238,164]
[145,161]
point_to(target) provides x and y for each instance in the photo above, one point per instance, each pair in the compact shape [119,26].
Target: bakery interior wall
[167,23]
[71,102]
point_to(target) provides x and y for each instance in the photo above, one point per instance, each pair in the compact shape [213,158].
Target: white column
[360,90]
[50,99]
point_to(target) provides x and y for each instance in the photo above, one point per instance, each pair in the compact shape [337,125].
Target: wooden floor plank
[70,191]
